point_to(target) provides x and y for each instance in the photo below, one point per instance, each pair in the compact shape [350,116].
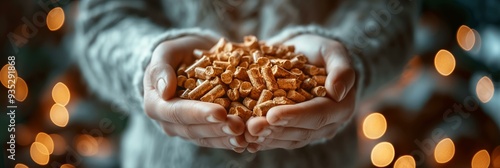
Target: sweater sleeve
[377,34]
[115,40]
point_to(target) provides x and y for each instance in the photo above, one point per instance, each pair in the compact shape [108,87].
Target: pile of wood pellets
[250,78]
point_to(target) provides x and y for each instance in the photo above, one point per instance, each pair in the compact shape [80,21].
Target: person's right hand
[205,124]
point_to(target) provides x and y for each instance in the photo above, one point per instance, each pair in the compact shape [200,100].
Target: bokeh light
[444,151]
[59,144]
[86,145]
[39,153]
[477,42]
[382,154]
[59,115]
[485,89]
[61,94]
[20,165]
[481,159]
[105,147]
[444,62]
[55,19]
[466,37]
[67,166]
[374,126]
[495,157]
[46,140]
[4,75]
[21,89]
[405,161]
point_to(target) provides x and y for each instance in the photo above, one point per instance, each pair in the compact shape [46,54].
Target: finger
[253,139]
[253,147]
[181,111]
[300,134]
[312,114]
[274,143]
[239,150]
[256,125]
[232,127]
[222,142]
[341,76]
[159,81]
[175,52]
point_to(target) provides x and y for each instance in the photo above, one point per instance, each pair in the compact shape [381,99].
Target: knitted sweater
[115,40]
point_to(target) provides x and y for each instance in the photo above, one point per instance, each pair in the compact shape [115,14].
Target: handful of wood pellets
[250,78]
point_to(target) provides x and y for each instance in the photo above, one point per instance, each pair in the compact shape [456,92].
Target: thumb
[341,75]
[163,80]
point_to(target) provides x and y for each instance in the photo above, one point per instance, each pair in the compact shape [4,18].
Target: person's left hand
[294,126]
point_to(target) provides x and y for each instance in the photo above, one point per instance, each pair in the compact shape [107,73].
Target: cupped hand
[294,126]
[205,124]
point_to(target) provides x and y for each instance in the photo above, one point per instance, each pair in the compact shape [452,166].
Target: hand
[294,126]
[205,124]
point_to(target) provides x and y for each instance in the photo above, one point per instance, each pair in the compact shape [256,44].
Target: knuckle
[306,134]
[189,132]
[167,130]
[202,142]
[322,121]
[297,144]
[148,111]
[173,114]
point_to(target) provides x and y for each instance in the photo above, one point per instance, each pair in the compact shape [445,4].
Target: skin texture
[286,126]
[294,126]
[204,124]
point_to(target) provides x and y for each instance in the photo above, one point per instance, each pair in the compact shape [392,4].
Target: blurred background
[443,110]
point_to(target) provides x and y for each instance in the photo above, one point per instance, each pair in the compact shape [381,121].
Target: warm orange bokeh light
[405,161]
[59,115]
[374,126]
[46,140]
[59,144]
[382,154]
[4,75]
[67,166]
[55,19]
[20,165]
[61,94]
[485,89]
[86,145]
[481,159]
[466,38]
[444,151]
[495,157]
[39,153]
[21,89]
[444,62]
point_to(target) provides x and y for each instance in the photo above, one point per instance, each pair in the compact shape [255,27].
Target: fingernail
[238,150]
[254,149]
[233,141]
[265,132]
[281,122]
[260,139]
[228,130]
[212,119]
[160,86]
[339,89]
